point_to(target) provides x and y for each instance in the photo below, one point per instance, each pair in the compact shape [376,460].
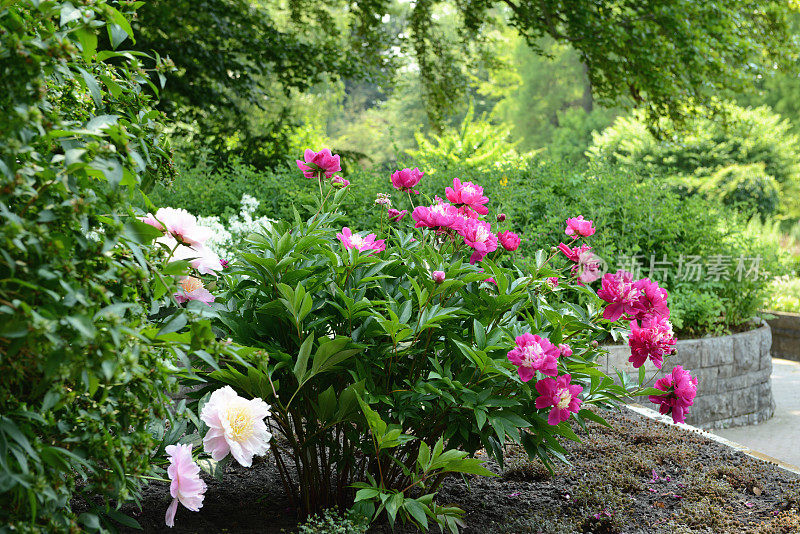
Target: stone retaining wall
[785,335]
[733,374]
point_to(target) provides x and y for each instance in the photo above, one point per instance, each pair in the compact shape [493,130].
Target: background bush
[694,151]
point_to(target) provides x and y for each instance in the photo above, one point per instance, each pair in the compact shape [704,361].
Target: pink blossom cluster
[359,243]
[680,389]
[185,239]
[533,353]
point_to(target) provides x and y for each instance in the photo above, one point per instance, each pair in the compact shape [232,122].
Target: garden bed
[641,476]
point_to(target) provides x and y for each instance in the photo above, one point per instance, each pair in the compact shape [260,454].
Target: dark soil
[639,477]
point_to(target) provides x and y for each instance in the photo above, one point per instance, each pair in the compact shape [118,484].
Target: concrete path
[780,436]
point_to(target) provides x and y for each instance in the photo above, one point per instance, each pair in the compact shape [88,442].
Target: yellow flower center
[241,422]
[190,283]
[566,397]
[357,241]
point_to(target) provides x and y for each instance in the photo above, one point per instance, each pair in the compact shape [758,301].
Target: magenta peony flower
[490,280]
[577,225]
[619,291]
[439,217]
[680,390]
[478,235]
[193,289]
[653,300]
[438,276]
[509,240]
[467,194]
[407,179]
[338,181]
[587,269]
[565,349]
[318,162]
[501,217]
[654,340]
[180,224]
[573,254]
[534,353]
[561,395]
[552,281]
[186,485]
[396,215]
[351,240]
[236,426]
[224,263]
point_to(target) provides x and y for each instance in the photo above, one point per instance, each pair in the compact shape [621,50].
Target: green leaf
[88,39]
[93,87]
[140,232]
[417,511]
[301,365]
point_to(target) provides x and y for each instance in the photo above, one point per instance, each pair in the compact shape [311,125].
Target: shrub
[704,145]
[388,362]
[332,522]
[78,385]
[784,295]
[746,187]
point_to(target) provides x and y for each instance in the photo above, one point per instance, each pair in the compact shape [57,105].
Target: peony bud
[438,276]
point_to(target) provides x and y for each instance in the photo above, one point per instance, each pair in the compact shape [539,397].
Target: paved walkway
[780,436]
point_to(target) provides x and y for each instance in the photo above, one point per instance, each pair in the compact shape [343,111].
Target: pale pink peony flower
[577,225]
[559,394]
[205,260]
[619,291]
[318,162]
[396,215]
[478,235]
[440,217]
[236,426]
[193,289]
[653,340]
[407,179]
[653,300]
[467,194]
[180,224]
[186,486]
[587,269]
[338,181]
[438,276]
[534,353]
[355,241]
[680,390]
[509,240]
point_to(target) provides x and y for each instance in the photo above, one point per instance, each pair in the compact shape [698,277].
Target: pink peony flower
[565,349]
[201,258]
[587,269]
[680,390]
[186,485]
[653,300]
[534,353]
[561,395]
[654,340]
[573,254]
[439,217]
[467,194]
[552,281]
[236,426]
[193,289]
[490,280]
[438,276]
[382,199]
[338,181]
[180,224]
[407,179]
[318,162]
[351,240]
[619,291]
[478,235]
[224,263]
[396,215]
[509,240]
[577,225]
[501,217]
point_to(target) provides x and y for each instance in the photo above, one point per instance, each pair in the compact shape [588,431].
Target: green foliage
[747,187]
[332,522]
[697,150]
[784,295]
[78,386]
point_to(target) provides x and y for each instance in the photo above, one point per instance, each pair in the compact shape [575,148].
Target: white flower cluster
[228,236]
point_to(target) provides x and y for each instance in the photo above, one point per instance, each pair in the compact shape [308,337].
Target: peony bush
[373,363]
